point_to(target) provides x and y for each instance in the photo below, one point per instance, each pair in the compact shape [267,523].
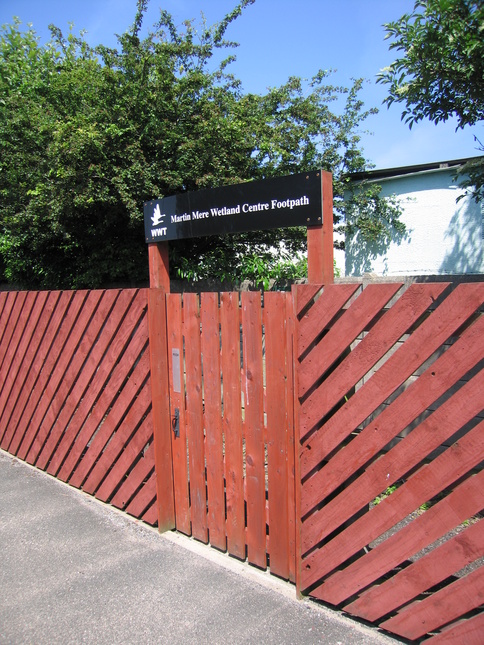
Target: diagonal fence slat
[391,448]
[425,484]
[127,452]
[64,427]
[17,380]
[12,356]
[386,332]
[405,456]
[352,322]
[100,368]
[462,503]
[119,402]
[120,438]
[72,326]
[467,631]
[34,358]
[75,394]
[444,606]
[30,422]
[434,331]
[11,327]
[445,372]
[80,345]
[139,474]
[433,568]
[131,342]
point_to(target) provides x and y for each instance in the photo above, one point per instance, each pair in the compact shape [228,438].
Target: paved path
[74,571]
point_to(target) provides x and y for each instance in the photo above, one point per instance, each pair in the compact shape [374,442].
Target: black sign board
[256,205]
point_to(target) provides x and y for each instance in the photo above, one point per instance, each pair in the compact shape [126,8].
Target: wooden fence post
[320,238]
[320,271]
[159,287]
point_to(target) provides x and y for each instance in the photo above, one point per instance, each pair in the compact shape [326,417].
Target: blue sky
[280,38]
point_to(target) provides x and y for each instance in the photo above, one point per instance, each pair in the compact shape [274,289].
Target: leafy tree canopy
[440,73]
[87,135]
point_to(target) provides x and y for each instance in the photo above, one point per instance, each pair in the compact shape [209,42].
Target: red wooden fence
[379,393]
[75,395]
[391,401]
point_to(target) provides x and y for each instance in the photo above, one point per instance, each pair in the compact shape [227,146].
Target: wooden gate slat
[210,347]
[331,301]
[26,352]
[232,423]
[54,369]
[194,412]
[422,486]
[126,316]
[122,403]
[43,366]
[88,331]
[467,631]
[442,607]
[460,505]
[277,428]
[254,427]
[435,330]
[433,568]
[354,320]
[37,352]
[177,401]
[126,459]
[292,464]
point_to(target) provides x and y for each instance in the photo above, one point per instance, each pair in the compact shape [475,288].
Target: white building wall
[443,236]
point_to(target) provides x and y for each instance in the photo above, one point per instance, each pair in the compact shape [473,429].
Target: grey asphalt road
[74,571]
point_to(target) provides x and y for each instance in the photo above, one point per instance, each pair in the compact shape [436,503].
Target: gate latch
[175,422]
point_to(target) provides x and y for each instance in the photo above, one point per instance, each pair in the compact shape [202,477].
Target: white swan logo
[157,218]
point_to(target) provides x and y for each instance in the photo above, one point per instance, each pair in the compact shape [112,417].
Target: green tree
[89,134]
[440,73]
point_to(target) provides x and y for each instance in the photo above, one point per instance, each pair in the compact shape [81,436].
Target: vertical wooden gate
[391,447]
[232,432]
